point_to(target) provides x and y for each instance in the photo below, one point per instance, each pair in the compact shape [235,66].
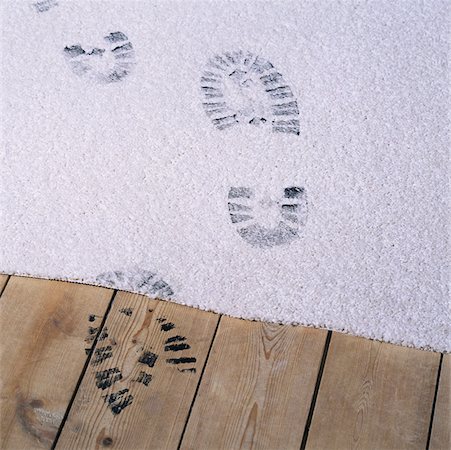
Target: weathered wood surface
[140,389]
[43,334]
[441,424]
[373,396]
[142,377]
[257,388]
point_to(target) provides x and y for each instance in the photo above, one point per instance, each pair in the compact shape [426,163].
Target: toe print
[140,281]
[266,222]
[242,88]
[105,65]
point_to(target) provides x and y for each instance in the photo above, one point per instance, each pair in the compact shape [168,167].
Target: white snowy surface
[132,176]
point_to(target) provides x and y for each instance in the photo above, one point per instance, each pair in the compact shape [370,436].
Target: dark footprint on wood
[109,64]
[282,217]
[142,281]
[118,401]
[243,88]
[174,345]
[94,331]
[176,353]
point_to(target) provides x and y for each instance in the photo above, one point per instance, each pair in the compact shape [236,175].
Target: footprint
[266,222]
[105,65]
[141,281]
[172,345]
[106,378]
[118,401]
[177,355]
[243,88]
[44,5]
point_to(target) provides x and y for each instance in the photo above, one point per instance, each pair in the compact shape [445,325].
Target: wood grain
[43,326]
[3,281]
[257,387]
[140,396]
[373,396]
[440,437]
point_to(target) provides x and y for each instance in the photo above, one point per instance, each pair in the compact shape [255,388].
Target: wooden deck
[91,368]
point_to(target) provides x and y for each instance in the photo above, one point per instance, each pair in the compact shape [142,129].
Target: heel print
[105,65]
[281,218]
[242,88]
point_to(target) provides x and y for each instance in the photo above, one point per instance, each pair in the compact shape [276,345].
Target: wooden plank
[257,387]
[43,327]
[138,391]
[440,437]
[3,281]
[373,396]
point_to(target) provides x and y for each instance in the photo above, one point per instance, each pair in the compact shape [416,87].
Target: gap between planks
[373,396]
[257,387]
[198,384]
[83,371]
[181,430]
[43,331]
[3,282]
[439,437]
[142,377]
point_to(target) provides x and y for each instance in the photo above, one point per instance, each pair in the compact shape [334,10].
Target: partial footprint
[142,281]
[105,65]
[44,5]
[243,88]
[266,222]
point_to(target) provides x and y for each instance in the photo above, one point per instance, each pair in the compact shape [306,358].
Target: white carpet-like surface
[284,161]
